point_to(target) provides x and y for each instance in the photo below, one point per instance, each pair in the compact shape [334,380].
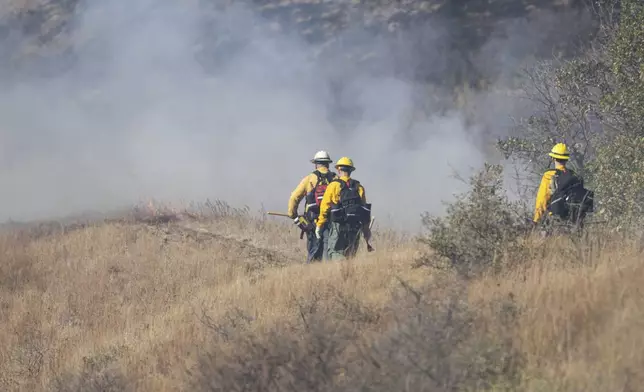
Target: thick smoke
[143,114]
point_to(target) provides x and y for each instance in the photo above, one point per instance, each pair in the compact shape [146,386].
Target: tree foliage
[595,104]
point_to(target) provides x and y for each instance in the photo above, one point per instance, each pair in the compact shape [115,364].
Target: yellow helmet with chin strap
[346,162]
[560,151]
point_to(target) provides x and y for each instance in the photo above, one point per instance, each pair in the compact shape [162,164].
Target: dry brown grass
[129,305]
[135,295]
[582,314]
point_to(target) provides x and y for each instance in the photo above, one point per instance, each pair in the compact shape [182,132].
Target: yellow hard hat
[344,161]
[560,151]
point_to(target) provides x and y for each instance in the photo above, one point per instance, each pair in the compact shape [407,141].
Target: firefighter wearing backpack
[561,194]
[345,208]
[312,188]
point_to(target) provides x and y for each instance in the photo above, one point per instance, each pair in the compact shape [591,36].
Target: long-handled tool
[303,223]
[278,214]
[369,247]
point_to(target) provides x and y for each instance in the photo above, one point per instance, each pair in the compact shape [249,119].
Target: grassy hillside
[220,301]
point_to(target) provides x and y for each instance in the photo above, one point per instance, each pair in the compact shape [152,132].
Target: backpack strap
[351,181]
[554,182]
[319,177]
[329,176]
[339,181]
[572,178]
[566,170]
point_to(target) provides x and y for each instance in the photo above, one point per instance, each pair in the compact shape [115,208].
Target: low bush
[436,341]
[481,228]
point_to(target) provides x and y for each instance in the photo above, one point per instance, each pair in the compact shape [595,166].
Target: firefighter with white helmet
[312,188]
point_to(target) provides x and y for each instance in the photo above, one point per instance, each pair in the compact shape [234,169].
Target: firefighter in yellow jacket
[345,209]
[312,188]
[562,195]
[560,156]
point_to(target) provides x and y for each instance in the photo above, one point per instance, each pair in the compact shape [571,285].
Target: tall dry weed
[433,341]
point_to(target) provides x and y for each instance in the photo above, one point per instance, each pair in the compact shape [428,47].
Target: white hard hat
[321,156]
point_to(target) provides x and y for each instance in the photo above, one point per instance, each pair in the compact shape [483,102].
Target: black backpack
[350,209]
[570,200]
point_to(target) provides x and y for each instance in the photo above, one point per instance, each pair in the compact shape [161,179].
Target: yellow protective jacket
[546,189]
[305,186]
[332,198]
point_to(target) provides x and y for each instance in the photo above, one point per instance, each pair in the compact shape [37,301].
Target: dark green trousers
[344,241]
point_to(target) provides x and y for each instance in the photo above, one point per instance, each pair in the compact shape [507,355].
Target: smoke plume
[168,101]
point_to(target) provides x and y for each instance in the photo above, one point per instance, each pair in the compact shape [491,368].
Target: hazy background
[182,102]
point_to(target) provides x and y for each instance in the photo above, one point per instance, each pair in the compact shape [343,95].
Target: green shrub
[618,173]
[618,169]
[480,229]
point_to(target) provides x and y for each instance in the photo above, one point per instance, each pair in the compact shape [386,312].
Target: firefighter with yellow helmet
[345,209]
[561,193]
